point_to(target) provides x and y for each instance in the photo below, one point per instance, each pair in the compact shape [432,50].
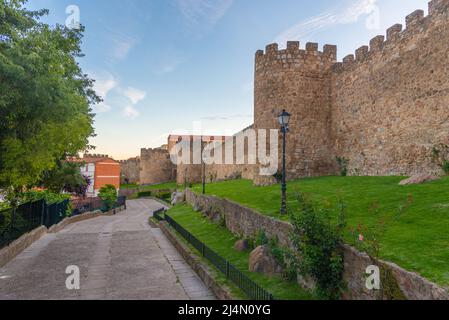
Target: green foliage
[144,194]
[66,176]
[108,194]
[319,245]
[286,258]
[45,98]
[48,196]
[343,165]
[261,239]
[440,156]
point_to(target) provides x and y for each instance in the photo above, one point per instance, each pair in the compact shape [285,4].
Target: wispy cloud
[104,83]
[350,13]
[203,14]
[135,95]
[226,117]
[122,44]
[130,112]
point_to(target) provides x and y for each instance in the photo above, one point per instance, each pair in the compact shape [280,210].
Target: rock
[177,197]
[262,261]
[418,179]
[241,245]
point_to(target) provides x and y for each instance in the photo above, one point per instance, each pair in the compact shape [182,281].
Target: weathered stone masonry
[383,109]
[156,166]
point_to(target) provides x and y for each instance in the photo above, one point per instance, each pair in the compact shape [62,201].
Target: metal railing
[15,222]
[248,286]
[93,204]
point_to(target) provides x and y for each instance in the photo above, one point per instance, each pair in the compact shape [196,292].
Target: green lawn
[222,241]
[162,186]
[418,241]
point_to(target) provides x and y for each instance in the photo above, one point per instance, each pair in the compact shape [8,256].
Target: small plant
[144,194]
[261,239]
[440,156]
[108,194]
[318,243]
[343,164]
[286,259]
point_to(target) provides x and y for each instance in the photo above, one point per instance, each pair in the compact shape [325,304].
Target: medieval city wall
[156,166]
[130,171]
[390,102]
[383,110]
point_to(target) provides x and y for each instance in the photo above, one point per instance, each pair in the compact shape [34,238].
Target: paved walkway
[119,257]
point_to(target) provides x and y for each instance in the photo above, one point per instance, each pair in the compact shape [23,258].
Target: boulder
[177,197]
[261,260]
[241,245]
[418,179]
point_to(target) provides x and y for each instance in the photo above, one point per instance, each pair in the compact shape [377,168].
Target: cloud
[169,67]
[130,112]
[135,95]
[122,45]
[104,84]
[226,117]
[349,14]
[204,13]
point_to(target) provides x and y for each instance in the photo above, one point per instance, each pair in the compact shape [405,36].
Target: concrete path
[119,257]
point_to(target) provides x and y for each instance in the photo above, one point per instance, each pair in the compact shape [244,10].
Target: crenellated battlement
[417,25]
[293,57]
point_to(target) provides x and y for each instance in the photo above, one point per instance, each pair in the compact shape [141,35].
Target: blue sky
[170,66]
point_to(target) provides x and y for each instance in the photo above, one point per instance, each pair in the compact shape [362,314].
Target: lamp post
[284,120]
[203,169]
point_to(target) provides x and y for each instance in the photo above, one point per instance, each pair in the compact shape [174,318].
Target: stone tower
[298,81]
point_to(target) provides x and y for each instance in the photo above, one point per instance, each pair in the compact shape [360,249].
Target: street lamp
[284,120]
[203,166]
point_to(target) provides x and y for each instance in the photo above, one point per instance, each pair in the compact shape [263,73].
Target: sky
[187,66]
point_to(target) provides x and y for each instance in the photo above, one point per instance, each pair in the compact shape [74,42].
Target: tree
[66,176]
[45,99]
[108,194]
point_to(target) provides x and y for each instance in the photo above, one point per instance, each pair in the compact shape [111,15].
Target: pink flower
[361,237]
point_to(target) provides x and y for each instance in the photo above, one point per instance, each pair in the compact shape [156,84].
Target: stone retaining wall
[15,248]
[246,222]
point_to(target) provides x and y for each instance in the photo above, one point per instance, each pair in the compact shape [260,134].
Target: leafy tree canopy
[45,99]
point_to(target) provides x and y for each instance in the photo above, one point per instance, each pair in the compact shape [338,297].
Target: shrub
[343,165]
[440,154]
[108,194]
[261,239]
[319,245]
[144,194]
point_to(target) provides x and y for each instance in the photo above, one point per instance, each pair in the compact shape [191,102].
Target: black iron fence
[93,204]
[15,222]
[248,286]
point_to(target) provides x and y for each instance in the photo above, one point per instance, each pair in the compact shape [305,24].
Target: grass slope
[222,241]
[418,241]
